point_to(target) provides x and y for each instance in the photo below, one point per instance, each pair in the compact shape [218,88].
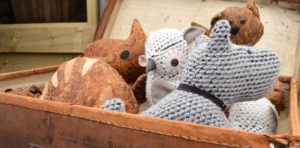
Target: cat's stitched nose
[234,30]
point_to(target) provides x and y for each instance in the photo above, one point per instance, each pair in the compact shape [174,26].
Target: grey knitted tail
[115,104]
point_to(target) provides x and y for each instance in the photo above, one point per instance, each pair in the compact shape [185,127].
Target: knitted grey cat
[258,116]
[218,75]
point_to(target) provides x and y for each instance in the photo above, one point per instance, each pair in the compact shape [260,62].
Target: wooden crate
[38,123]
[48,43]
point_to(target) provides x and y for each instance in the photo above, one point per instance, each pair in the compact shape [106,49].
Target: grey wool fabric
[258,116]
[230,72]
[115,104]
[168,51]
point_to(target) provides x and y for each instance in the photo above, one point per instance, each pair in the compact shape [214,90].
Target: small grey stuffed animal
[166,53]
[218,76]
[258,116]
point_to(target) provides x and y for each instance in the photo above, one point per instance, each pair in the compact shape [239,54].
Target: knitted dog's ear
[220,36]
[192,32]
[215,18]
[252,6]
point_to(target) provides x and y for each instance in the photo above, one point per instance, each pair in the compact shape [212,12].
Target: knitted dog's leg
[114,104]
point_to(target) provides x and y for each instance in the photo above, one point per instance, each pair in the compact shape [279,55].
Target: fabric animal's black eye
[174,62]
[124,55]
[242,21]
[34,90]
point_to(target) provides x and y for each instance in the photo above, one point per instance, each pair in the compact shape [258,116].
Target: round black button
[124,55]
[174,62]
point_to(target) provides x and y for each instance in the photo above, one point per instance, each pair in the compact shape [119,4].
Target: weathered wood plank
[51,38]
[21,61]
[105,19]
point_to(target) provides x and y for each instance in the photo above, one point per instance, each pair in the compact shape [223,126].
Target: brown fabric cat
[121,54]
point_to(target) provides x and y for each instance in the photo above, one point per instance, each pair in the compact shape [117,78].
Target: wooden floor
[282,26]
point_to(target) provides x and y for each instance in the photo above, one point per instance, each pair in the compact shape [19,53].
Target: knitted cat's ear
[142,61]
[252,6]
[192,32]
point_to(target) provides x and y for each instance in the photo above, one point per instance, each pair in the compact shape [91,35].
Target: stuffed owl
[218,76]
[258,116]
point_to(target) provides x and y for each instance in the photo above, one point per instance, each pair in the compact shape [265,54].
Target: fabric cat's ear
[192,32]
[136,28]
[215,18]
[161,88]
[142,61]
[252,6]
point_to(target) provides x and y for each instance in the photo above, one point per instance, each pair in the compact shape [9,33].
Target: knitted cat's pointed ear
[252,6]
[192,32]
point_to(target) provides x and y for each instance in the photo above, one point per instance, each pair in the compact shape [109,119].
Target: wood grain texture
[105,19]
[45,38]
[21,61]
[294,110]
[95,127]
[90,82]
[24,73]
[45,11]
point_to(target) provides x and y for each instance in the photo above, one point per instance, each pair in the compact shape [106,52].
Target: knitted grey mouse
[166,53]
[218,76]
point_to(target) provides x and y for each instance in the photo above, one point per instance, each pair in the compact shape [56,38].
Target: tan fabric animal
[89,82]
[246,27]
[122,55]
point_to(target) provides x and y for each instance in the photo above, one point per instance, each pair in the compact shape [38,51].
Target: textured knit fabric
[258,116]
[115,104]
[163,46]
[230,72]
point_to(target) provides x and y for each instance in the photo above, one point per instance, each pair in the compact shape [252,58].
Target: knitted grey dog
[218,76]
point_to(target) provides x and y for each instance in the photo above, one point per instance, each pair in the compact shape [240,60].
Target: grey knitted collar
[205,94]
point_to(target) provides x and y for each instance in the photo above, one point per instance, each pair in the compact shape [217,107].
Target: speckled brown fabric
[89,82]
[121,54]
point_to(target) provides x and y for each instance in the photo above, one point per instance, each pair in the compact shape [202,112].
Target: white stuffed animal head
[166,53]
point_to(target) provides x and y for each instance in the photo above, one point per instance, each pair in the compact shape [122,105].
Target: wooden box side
[47,123]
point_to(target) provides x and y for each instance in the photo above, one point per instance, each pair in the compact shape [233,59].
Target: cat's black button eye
[125,55]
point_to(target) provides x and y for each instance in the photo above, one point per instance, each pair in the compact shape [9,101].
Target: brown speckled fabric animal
[32,91]
[89,82]
[121,54]
[246,27]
